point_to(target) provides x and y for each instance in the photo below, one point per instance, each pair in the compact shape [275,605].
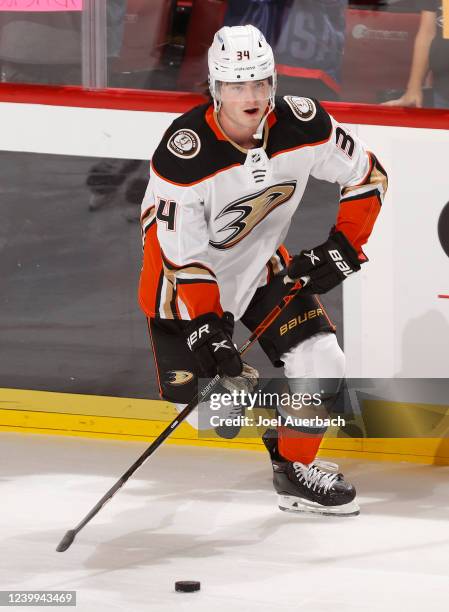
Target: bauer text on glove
[327,265]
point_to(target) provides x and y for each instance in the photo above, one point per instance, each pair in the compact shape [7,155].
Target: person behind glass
[263,14]
[431,52]
[307,38]
[45,47]
[225,182]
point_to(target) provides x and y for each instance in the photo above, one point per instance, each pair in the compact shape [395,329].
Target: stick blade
[66,541]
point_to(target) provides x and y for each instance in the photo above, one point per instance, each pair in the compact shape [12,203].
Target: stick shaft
[203,394]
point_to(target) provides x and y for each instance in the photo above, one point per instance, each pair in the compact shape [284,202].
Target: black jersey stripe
[281,257]
[195,281]
[270,270]
[362,196]
[173,307]
[147,213]
[158,293]
[150,225]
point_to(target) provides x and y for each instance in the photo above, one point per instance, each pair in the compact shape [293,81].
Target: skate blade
[288,503]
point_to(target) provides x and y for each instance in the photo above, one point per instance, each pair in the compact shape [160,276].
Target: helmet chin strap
[259,132]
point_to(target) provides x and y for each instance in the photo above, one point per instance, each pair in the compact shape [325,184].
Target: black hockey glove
[327,265]
[210,340]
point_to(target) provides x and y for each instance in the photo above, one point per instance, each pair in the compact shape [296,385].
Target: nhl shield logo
[304,109]
[184,143]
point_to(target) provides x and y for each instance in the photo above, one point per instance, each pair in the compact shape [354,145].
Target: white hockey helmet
[238,54]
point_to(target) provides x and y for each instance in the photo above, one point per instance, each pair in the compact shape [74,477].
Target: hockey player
[225,182]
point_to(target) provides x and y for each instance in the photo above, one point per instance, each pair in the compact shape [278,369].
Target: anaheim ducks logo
[179,377]
[250,211]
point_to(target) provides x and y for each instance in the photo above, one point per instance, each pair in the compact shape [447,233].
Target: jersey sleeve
[363,182]
[187,285]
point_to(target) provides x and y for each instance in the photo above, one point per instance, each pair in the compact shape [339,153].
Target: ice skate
[316,488]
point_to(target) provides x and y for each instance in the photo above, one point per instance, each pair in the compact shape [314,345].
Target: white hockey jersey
[215,215]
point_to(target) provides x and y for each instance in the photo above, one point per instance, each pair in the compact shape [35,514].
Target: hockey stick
[260,329]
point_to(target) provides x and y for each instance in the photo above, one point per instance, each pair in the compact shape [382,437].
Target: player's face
[245,103]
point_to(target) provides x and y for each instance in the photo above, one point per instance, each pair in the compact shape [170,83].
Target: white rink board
[394,323]
[93,132]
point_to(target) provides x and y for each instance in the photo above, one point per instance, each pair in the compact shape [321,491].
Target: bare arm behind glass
[413,95]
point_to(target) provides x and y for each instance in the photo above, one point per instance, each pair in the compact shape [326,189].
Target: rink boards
[394,326]
[139,420]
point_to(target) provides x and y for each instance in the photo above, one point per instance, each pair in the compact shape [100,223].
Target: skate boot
[316,488]
[270,440]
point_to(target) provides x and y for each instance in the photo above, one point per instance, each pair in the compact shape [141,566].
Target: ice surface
[211,515]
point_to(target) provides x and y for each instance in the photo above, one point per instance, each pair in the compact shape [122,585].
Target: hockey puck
[187,586]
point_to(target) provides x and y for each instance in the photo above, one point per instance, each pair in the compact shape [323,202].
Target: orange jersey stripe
[210,120]
[271,120]
[284,254]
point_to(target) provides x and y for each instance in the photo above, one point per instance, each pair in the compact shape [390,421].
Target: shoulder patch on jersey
[300,122]
[184,143]
[189,151]
[304,109]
